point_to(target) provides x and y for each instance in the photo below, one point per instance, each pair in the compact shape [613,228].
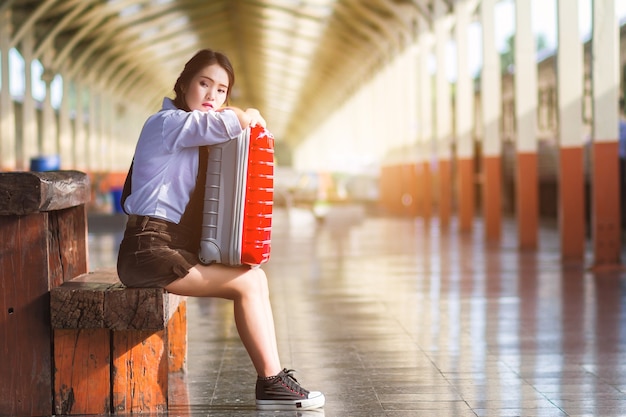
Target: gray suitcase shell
[225,198]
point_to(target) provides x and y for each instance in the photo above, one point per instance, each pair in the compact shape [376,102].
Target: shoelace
[291,382]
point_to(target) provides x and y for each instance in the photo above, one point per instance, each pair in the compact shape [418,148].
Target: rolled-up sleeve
[187,129]
[231,121]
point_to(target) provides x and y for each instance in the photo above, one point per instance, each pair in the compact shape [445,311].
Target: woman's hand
[249,117]
[255,117]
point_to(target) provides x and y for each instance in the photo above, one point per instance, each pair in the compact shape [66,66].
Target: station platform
[396,317]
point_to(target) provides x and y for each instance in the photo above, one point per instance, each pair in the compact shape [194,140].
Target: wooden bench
[43,242]
[97,347]
[114,348]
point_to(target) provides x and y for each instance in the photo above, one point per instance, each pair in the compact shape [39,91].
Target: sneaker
[282,392]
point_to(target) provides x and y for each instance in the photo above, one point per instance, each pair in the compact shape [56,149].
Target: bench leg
[82,370]
[140,371]
[177,339]
[99,371]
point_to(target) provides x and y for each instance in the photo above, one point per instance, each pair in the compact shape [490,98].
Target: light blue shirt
[166,158]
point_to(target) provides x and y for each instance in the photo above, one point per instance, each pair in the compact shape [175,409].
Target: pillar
[426,120]
[30,145]
[464,108]
[443,117]
[419,154]
[66,145]
[7,112]
[605,203]
[80,135]
[93,133]
[104,131]
[49,144]
[491,102]
[569,73]
[527,187]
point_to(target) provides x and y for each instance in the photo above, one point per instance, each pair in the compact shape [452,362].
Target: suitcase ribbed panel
[238,200]
[259,199]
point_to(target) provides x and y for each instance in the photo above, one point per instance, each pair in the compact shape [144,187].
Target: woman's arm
[182,129]
[248,117]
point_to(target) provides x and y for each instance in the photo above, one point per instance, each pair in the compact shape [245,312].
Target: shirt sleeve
[183,129]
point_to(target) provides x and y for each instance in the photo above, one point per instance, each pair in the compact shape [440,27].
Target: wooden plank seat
[115,347]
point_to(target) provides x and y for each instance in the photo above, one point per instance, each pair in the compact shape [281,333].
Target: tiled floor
[392,317]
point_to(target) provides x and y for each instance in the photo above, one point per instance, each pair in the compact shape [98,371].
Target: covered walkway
[460,296]
[418,95]
[393,317]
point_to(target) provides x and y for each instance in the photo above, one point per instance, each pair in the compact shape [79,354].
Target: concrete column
[605,91]
[527,186]
[7,112]
[366,133]
[125,135]
[66,141]
[117,123]
[491,102]
[415,157]
[108,119]
[426,120]
[569,73]
[406,72]
[384,84]
[49,143]
[81,154]
[408,93]
[390,88]
[103,131]
[30,144]
[418,122]
[93,137]
[443,130]
[412,76]
[464,108]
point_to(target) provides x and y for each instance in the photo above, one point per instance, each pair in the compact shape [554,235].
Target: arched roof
[295,60]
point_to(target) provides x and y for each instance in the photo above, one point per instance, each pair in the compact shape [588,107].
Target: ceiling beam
[376,19]
[29,24]
[48,39]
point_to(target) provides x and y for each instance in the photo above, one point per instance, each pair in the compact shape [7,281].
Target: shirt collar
[168,104]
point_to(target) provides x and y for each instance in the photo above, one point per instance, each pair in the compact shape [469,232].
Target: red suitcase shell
[238,201]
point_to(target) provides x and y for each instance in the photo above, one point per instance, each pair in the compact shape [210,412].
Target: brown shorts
[154,253]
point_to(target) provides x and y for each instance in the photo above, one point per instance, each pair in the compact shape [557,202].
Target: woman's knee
[255,283]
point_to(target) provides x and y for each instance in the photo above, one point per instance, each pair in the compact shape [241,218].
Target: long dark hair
[197,63]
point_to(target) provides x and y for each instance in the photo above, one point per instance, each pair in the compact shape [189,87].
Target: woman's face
[208,89]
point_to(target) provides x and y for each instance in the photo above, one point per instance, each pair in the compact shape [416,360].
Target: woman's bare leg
[249,291]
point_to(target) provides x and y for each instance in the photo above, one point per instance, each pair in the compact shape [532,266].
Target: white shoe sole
[316,400]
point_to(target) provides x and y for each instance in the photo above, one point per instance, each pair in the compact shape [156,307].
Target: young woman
[164,197]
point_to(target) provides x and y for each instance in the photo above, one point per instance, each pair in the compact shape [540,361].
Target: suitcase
[238,200]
